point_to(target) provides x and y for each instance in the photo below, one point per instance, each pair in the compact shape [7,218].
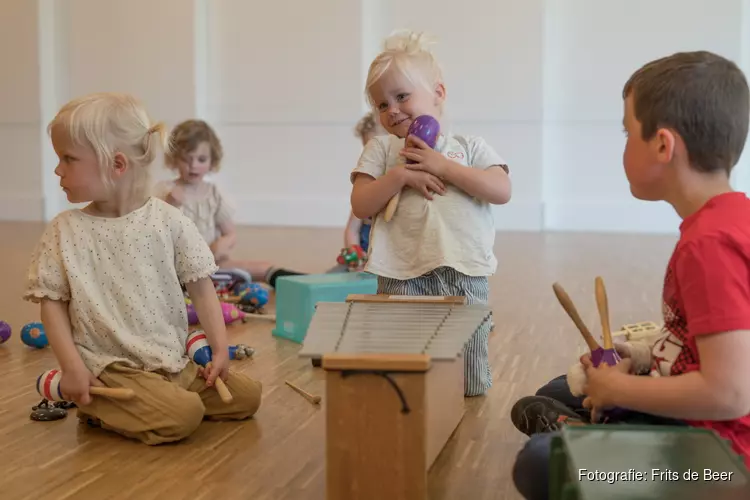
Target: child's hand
[219,368]
[221,248]
[601,385]
[424,182]
[74,385]
[424,157]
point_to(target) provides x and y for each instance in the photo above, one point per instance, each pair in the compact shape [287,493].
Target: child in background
[108,278]
[686,122]
[195,150]
[357,230]
[441,238]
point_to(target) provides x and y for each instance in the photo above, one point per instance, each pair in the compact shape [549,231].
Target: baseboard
[333,213]
[611,217]
[25,208]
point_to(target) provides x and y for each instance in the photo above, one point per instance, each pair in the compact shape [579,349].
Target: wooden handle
[603,306]
[221,388]
[313,399]
[390,209]
[224,393]
[112,392]
[567,304]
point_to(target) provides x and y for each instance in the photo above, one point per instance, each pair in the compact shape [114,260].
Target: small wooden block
[637,330]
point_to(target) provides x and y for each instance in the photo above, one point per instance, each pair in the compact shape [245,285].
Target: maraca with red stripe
[48,386]
[200,352]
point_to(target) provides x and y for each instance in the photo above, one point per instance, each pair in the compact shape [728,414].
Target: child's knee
[531,468]
[184,414]
[246,393]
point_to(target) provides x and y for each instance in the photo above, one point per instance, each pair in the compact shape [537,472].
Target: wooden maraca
[200,352]
[48,386]
[426,128]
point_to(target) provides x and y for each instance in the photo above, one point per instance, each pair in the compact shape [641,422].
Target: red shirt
[706,291]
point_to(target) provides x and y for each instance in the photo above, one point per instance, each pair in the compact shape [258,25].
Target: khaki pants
[168,407]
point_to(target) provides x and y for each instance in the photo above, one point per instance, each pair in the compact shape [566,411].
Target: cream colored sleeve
[46,273]
[374,158]
[482,155]
[193,257]
[225,210]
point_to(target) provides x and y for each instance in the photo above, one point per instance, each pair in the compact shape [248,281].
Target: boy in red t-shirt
[686,121]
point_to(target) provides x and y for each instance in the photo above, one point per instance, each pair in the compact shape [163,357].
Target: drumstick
[313,399]
[567,304]
[603,306]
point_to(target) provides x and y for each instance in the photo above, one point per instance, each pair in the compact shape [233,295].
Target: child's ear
[121,164]
[665,141]
[440,92]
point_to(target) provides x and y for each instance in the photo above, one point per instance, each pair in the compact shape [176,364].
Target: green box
[633,453]
[296,297]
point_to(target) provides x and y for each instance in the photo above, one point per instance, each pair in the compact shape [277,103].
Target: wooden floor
[280,454]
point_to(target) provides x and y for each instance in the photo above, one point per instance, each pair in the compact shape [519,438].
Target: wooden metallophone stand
[389,414]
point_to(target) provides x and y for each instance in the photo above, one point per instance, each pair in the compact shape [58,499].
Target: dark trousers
[531,470]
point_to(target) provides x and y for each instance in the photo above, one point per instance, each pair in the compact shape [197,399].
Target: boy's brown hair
[186,137]
[700,95]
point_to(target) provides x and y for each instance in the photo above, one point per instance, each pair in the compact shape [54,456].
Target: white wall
[540,79]
[21,191]
[591,48]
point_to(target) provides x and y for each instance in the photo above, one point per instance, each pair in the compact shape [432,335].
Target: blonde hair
[187,136]
[408,52]
[111,123]
[367,125]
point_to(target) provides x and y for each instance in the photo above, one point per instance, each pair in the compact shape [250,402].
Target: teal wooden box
[296,297]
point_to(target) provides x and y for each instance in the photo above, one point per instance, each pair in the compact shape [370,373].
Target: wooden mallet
[48,386]
[200,352]
[313,399]
[565,301]
[609,354]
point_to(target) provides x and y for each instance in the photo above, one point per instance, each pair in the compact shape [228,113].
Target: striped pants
[446,281]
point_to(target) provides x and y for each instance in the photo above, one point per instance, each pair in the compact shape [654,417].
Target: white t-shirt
[122,279]
[207,207]
[452,230]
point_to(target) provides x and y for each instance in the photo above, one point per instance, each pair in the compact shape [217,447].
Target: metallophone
[394,388]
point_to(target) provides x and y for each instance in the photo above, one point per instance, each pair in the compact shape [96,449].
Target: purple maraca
[426,128]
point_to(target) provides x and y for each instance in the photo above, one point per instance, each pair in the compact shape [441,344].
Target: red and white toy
[48,386]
